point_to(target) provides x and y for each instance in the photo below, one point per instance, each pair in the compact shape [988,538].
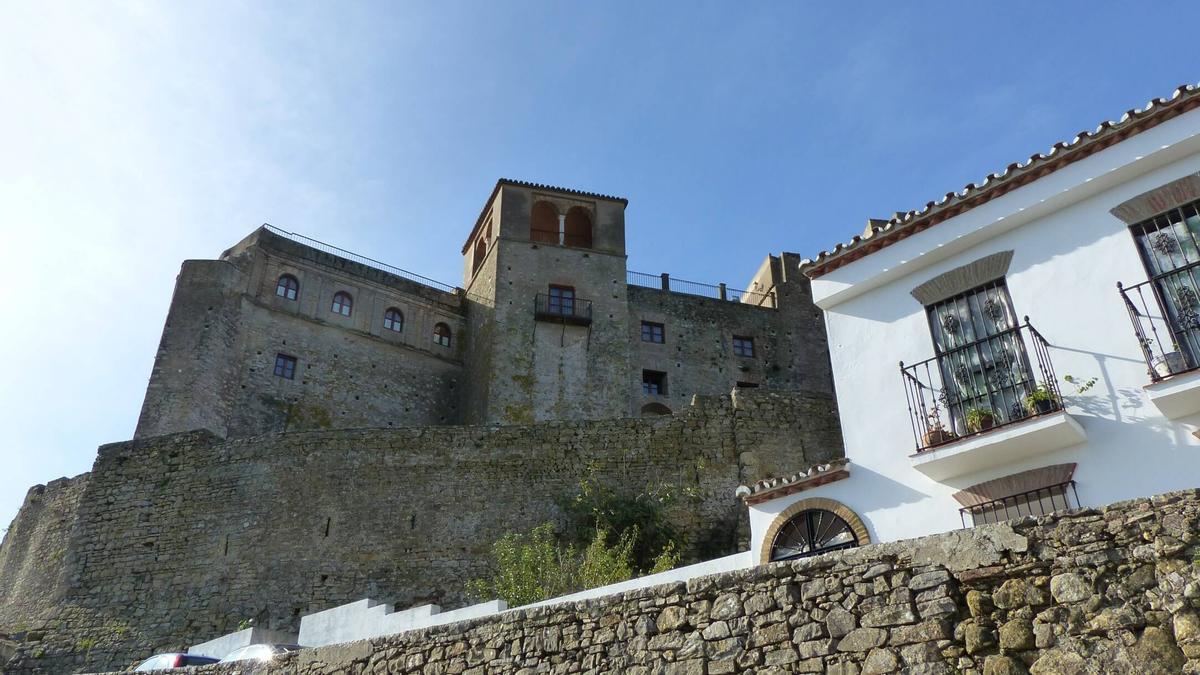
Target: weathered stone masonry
[1111,590]
[178,538]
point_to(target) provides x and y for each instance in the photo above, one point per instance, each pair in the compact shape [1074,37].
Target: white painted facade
[1127,439]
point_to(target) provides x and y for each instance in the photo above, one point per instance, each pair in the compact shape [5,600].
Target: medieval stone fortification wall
[1112,590]
[178,538]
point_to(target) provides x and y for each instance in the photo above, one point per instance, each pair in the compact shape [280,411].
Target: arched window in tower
[441,335]
[543,226]
[287,287]
[342,303]
[480,254]
[393,320]
[577,230]
[811,532]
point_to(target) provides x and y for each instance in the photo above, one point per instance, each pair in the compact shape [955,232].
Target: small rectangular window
[1037,502]
[743,346]
[747,385]
[285,366]
[653,332]
[654,382]
[562,300]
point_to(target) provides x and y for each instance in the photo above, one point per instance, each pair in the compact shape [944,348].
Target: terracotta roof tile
[881,233]
[811,477]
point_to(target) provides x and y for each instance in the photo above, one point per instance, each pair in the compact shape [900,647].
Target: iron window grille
[1037,502]
[1165,309]
[810,533]
[287,287]
[285,366]
[743,346]
[653,332]
[981,376]
[654,383]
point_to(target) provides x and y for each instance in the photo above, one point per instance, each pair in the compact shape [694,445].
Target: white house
[953,328]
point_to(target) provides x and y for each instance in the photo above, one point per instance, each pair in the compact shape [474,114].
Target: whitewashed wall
[1070,252]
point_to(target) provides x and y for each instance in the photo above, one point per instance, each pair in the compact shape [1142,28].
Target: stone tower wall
[178,538]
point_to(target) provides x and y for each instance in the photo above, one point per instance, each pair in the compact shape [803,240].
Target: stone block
[862,639]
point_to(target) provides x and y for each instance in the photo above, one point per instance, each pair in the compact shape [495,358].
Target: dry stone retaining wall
[1112,590]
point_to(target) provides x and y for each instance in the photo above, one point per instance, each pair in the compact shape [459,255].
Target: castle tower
[544,273]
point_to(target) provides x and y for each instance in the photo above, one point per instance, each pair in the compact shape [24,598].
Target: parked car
[173,660]
[262,652]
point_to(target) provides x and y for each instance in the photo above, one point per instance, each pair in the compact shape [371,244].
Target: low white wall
[221,647]
[729,563]
[369,618]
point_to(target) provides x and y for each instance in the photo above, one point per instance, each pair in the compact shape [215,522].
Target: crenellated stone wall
[1110,590]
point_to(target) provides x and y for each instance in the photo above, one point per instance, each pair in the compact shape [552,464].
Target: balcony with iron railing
[1165,314]
[665,282]
[569,310]
[986,403]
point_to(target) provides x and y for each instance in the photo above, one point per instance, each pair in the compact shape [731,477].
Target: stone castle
[283,333]
[321,427]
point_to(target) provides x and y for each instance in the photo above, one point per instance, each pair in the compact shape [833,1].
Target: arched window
[342,303]
[287,287]
[577,230]
[441,335]
[480,253]
[544,224]
[393,319]
[810,532]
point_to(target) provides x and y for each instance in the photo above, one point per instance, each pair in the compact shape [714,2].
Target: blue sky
[136,135]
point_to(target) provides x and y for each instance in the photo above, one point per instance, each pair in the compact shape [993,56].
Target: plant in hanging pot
[980,419]
[937,432]
[1041,400]
[1169,363]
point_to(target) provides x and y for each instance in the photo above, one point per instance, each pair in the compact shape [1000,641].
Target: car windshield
[250,653]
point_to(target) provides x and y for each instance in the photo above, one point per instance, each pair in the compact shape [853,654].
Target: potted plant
[1041,400]
[980,419]
[937,433]
[1169,363]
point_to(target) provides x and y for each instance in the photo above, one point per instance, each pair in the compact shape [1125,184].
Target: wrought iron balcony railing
[562,309]
[980,386]
[1166,323]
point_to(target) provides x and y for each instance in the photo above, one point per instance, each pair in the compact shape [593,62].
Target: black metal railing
[981,386]
[1166,328]
[1036,502]
[564,309]
[360,259]
[666,282]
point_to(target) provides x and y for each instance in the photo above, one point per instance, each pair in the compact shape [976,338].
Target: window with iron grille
[811,532]
[1169,245]
[287,287]
[654,382]
[561,300]
[984,367]
[342,303]
[393,320]
[1037,502]
[285,366]
[653,332]
[743,346]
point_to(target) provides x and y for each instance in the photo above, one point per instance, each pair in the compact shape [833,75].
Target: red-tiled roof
[882,233]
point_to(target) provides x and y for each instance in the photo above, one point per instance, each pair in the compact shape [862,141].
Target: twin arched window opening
[287,287]
[573,229]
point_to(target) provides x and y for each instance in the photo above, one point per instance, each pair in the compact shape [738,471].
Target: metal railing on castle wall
[666,282]
[360,259]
